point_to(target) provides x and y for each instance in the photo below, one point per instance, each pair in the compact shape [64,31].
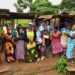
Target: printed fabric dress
[64,37]
[20,49]
[56,45]
[70,46]
[31,53]
[8,47]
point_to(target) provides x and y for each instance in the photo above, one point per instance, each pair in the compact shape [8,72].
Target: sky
[9,4]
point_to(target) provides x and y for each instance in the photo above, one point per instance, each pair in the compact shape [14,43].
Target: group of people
[32,44]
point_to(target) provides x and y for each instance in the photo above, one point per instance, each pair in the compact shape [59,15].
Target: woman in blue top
[70,46]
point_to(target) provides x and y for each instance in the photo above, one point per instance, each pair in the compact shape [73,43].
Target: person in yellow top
[30,33]
[31,53]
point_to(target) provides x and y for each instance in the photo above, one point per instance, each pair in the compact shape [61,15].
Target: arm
[6,35]
[57,34]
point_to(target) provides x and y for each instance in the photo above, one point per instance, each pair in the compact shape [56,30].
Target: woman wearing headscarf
[64,32]
[56,45]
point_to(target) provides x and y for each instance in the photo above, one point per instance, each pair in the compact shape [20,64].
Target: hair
[56,27]
[66,24]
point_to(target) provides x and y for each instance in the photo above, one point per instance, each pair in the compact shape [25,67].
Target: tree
[39,6]
[43,6]
[68,4]
[22,4]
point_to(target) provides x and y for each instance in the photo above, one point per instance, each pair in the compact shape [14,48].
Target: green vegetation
[43,6]
[22,22]
[22,4]
[60,65]
[39,6]
[68,4]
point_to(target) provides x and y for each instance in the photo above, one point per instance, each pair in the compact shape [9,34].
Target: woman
[71,43]
[8,45]
[20,46]
[30,34]
[64,33]
[56,46]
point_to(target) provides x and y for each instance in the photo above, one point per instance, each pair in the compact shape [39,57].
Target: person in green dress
[31,52]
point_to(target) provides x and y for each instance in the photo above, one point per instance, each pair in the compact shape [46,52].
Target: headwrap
[56,27]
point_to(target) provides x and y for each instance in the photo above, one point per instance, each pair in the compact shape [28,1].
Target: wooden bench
[4,70]
[71,70]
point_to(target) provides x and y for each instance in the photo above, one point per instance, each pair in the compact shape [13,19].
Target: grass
[23,22]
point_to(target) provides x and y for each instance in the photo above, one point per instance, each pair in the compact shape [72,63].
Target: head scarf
[56,27]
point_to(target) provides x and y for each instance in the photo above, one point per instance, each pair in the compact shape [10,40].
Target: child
[40,46]
[31,52]
[71,43]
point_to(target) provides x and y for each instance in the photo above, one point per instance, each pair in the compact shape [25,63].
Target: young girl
[40,46]
[71,43]
[56,46]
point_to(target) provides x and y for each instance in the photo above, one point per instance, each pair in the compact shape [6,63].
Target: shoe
[38,59]
[42,57]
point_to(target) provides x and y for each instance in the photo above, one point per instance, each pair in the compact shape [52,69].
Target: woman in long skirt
[20,46]
[56,46]
[71,43]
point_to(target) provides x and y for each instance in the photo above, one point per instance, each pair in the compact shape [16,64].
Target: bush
[60,65]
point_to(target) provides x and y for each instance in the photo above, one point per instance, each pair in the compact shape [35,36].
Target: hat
[30,23]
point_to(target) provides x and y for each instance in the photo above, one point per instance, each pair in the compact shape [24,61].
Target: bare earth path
[44,67]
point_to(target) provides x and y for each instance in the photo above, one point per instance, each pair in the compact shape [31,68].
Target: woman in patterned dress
[30,38]
[20,49]
[71,43]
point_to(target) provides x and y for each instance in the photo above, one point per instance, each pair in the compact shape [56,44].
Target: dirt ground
[44,67]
